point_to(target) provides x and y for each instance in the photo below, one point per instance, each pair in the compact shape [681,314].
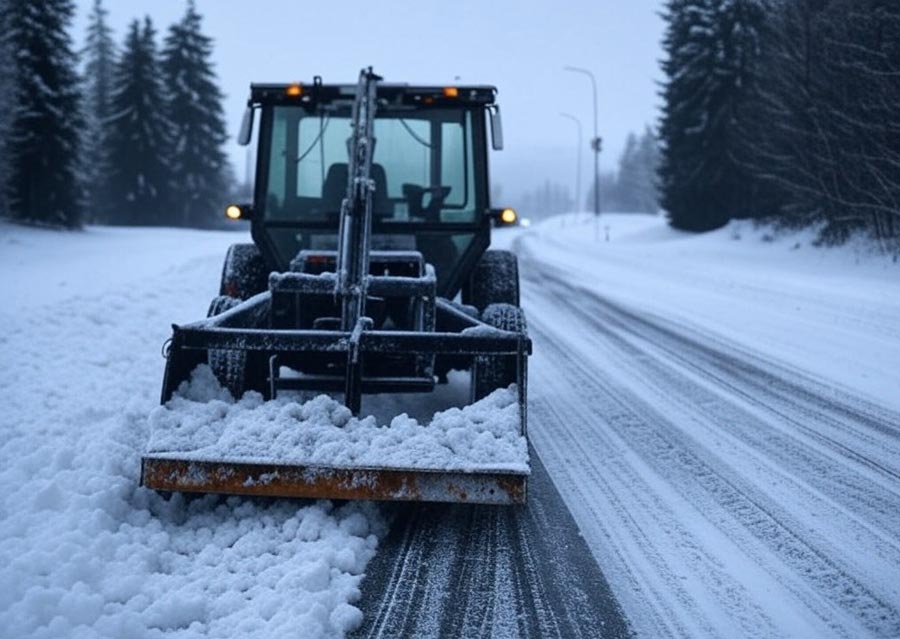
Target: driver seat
[334,189]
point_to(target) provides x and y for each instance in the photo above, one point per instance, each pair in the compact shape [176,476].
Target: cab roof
[395,94]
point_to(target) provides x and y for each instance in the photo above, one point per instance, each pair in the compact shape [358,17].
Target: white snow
[202,421]
[715,507]
[84,551]
[832,312]
[721,414]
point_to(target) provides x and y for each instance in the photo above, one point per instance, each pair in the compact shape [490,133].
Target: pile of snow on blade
[202,421]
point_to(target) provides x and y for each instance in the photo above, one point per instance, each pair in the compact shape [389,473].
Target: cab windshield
[423,167]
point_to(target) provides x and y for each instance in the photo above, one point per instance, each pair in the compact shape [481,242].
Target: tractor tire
[221,303]
[490,372]
[495,280]
[244,273]
[234,369]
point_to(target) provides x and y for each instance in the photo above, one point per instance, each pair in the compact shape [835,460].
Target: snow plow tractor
[369,273]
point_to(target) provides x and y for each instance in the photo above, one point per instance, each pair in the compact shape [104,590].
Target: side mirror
[496,129]
[246,131]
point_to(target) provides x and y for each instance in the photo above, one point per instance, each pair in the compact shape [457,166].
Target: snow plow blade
[166,473]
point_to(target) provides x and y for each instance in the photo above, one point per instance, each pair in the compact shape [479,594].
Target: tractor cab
[429,172]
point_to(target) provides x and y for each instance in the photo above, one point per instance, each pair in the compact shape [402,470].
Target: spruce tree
[689,46]
[648,167]
[636,190]
[711,56]
[628,179]
[140,149]
[42,143]
[7,81]
[99,55]
[195,110]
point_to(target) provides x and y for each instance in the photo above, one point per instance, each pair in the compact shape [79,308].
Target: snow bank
[86,552]
[204,422]
[42,265]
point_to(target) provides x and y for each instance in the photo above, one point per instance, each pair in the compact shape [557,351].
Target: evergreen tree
[689,45]
[7,79]
[626,191]
[99,54]
[42,143]
[827,126]
[195,110]
[635,190]
[139,135]
[711,54]
[648,169]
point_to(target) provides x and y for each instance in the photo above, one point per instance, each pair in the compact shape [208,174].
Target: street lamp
[596,142]
[577,122]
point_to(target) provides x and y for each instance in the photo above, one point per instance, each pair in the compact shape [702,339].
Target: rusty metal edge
[316,482]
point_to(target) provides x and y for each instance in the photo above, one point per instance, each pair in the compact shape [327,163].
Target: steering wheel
[415,195]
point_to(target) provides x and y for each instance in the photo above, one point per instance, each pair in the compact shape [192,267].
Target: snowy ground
[722,415]
[85,552]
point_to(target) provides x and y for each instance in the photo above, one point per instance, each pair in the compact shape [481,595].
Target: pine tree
[195,110]
[43,139]
[628,181]
[690,48]
[139,178]
[648,168]
[740,23]
[99,54]
[635,190]
[826,119]
[7,80]
[711,54]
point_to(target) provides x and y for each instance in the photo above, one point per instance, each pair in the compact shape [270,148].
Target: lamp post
[577,122]
[596,142]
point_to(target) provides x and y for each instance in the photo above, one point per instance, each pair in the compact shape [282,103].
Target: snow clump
[202,421]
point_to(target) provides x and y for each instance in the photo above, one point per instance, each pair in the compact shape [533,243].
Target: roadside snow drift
[84,551]
[203,422]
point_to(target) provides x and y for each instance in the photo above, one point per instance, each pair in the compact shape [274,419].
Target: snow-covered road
[723,425]
[455,570]
[720,415]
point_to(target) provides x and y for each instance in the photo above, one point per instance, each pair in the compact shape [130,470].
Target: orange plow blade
[169,473]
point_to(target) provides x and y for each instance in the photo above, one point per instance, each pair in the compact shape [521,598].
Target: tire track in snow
[660,554]
[798,435]
[735,506]
[488,572]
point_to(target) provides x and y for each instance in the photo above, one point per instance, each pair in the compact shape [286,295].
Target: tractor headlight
[239,211]
[508,216]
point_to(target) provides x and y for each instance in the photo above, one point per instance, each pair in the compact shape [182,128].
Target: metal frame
[191,343]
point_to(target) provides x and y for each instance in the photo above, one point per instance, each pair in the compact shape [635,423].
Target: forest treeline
[113,134]
[632,188]
[784,109]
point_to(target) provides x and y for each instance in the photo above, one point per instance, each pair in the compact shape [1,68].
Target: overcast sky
[519,46]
